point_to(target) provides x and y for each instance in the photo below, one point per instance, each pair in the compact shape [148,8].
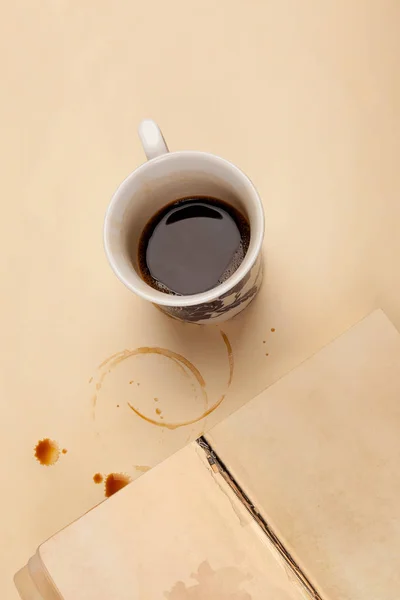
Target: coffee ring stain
[208,411]
[110,363]
[113,361]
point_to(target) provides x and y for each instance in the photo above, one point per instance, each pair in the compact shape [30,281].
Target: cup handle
[152,139]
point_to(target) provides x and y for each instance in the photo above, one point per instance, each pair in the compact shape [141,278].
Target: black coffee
[192,245]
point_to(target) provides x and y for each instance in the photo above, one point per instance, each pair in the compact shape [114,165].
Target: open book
[294,496]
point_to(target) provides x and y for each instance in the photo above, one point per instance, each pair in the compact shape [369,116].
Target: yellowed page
[178,533]
[317,453]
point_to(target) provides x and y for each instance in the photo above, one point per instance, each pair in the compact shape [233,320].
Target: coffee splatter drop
[266,354]
[98,478]
[130,383]
[64,451]
[117,405]
[158,411]
[155,399]
[47,452]
[115,482]
[273,329]
[90,380]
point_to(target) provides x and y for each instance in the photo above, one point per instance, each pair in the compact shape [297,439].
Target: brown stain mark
[47,452]
[266,354]
[130,383]
[224,584]
[98,478]
[115,482]
[64,451]
[103,375]
[273,329]
[264,341]
[155,399]
[117,405]
[158,411]
[111,358]
[209,410]
[230,356]
[177,425]
[174,356]
[142,468]
[115,359]
[180,360]
[90,380]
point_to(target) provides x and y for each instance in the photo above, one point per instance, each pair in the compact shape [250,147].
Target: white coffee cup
[169,176]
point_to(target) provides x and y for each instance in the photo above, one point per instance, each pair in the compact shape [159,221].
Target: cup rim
[155,296]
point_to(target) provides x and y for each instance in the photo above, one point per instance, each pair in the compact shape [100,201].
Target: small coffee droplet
[117,405]
[272,329]
[64,451]
[115,482]
[158,411]
[155,399]
[47,452]
[138,384]
[263,341]
[266,354]
[97,477]
[90,380]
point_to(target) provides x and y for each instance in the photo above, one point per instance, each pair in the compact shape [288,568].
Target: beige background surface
[303,96]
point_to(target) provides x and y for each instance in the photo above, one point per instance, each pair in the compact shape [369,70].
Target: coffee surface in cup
[192,245]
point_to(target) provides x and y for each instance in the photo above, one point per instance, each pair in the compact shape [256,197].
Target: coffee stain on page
[224,583]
